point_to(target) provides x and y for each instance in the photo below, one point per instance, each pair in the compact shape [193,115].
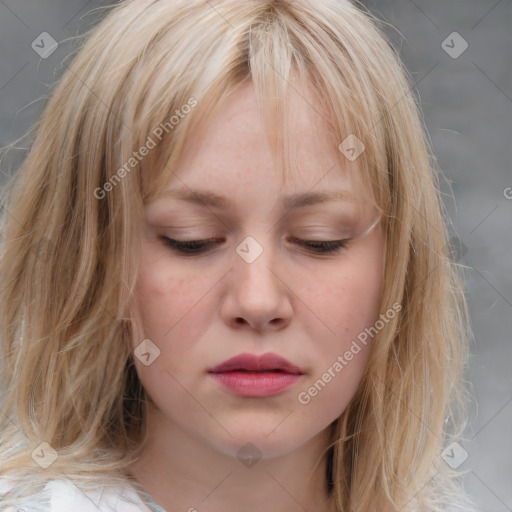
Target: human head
[138,69]
[256,289]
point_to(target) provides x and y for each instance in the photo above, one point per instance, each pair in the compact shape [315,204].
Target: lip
[254,362]
[252,375]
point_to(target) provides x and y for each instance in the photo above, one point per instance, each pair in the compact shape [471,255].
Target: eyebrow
[207,198]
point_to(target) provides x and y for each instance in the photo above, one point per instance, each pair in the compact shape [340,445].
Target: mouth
[253,363]
[256,376]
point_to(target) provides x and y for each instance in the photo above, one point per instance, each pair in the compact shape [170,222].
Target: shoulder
[63,495]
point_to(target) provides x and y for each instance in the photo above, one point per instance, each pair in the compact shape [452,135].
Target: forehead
[290,140]
[303,108]
[236,141]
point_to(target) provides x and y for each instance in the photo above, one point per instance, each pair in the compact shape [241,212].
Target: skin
[201,310]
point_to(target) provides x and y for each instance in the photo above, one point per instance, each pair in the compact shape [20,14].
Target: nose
[258,294]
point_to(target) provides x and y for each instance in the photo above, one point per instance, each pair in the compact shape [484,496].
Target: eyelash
[192,247]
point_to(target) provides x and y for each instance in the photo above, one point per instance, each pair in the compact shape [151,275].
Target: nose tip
[257,296]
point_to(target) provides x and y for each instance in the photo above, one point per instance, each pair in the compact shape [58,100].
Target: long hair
[147,76]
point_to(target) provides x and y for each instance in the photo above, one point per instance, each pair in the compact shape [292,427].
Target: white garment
[63,496]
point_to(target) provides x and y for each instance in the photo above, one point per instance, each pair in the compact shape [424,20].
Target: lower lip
[256,384]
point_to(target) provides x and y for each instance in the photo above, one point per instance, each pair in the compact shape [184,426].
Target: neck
[184,473]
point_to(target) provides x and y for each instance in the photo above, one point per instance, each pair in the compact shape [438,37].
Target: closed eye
[323,246]
[193,247]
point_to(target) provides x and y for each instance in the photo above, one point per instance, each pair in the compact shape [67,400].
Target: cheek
[355,297]
[172,316]
[172,305]
[345,297]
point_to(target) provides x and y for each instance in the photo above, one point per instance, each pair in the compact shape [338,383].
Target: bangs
[282,59]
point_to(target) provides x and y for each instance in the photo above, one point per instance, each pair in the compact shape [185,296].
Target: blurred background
[459,54]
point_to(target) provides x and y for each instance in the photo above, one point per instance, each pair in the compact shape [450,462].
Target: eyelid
[200,247]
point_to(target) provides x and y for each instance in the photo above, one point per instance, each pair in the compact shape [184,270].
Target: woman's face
[256,289]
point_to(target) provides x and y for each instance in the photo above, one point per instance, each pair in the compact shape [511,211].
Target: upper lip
[253,362]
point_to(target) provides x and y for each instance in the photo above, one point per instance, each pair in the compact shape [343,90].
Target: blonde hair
[70,242]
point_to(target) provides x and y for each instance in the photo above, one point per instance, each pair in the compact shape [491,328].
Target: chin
[263,438]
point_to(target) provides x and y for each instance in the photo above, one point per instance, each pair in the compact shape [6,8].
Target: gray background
[467,106]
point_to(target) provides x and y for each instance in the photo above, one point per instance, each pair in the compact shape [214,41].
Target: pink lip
[256,376]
